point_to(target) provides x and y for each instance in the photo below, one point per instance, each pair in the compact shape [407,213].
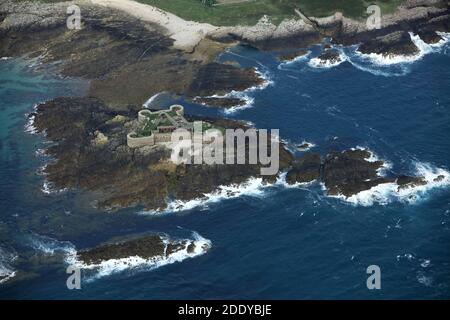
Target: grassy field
[248,13]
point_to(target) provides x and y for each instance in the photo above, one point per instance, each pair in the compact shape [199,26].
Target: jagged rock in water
[305,169]
[220,102]
[349,172]
[393,44]
[218,78]
[429,36]
[145,247]
[405,182]
[289,56]
[329,56]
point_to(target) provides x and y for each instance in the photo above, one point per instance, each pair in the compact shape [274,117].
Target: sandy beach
[187,34]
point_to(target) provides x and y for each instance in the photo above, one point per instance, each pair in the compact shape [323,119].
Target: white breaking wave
[29,126]
[326,64]
[112,266]
[423,47]
[48,188]
[67,250]
[308,145]
[252,187]
[244,95]
[50,246]
[281,181]
[293,61]
[5,58]
[386,193]
[373,158]
[148,103]
[293,147]
[6,271]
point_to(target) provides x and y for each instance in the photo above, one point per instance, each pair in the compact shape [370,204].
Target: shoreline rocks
[329,57]
[393,44]
[348,173]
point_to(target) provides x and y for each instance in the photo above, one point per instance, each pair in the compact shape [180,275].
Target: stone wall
[140,141]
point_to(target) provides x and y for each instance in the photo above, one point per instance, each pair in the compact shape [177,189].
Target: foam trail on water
[6,271]
[50,246]
[149,102]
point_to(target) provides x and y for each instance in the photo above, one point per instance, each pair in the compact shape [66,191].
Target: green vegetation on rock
[249,12]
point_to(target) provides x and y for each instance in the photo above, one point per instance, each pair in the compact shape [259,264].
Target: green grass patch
[248,13]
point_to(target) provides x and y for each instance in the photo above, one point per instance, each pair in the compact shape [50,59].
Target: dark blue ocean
[268,243]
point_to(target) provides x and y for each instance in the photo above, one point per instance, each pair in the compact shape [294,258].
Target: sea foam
[386,193]
[327,64]
[423,47]
[148,103]
[253,187]
[6,271]
[294,61]
[245,94]
[136,263]
[68,252]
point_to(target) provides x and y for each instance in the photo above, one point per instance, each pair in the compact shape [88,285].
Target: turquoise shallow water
[273,243]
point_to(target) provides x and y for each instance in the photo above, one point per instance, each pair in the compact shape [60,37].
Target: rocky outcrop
[218,78]
[348,173]
[306,169]
[428,36]
[121,176]
[329,57]
[291,55]
[145,247]
[405,182]
[294,33]
[300,32]
[216,102]
[393,44]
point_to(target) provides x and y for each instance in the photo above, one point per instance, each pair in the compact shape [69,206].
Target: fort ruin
[156,127]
